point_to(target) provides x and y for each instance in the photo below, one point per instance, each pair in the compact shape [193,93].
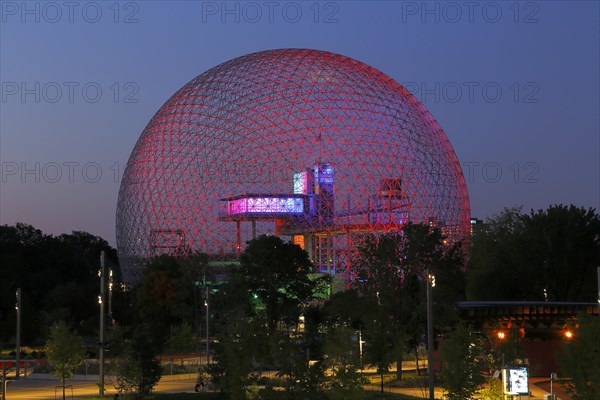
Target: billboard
[515,380]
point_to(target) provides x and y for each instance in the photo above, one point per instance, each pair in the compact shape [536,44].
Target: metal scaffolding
[270,123]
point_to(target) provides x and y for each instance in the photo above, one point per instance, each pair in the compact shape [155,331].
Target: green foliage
[259,308]
[136,368]
[58,277]
[392,290]
[462,364]
[233,366]
[166,295]
[182,339]
[65,351]
[277,273]
[493,390]
[563,246]
[300,377]
[546,255]
[507,350]
[342,360]
[391,280]
[580,360]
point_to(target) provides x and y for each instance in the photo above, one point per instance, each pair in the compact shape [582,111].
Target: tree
[238,346]
[182,339]
[65,352]
[301,378]
[56,274]
[580,360]
[277,272]
[495,267]
[390,273]
[137,368]
[345,315]
[462,364]
[546,255]
[258,311]
[386,282]
[165,296]
[341,358]
[239,330]
[563,250]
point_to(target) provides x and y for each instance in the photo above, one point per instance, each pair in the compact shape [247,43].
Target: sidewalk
[557,387]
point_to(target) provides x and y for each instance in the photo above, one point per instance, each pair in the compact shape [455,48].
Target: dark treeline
[548,254]
[544,255]
[58,276]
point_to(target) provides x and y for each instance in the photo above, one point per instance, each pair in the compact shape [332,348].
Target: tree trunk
[63,382]
[417,361]
[382,382]
[399,366]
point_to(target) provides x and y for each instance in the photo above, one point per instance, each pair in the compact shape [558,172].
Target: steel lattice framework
[309,144]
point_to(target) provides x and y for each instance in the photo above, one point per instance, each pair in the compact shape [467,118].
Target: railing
[171,366]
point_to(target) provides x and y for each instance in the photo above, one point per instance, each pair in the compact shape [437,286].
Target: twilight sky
[515,86]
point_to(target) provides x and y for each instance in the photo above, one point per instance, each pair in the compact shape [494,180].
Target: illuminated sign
[515,380]
[324,173]
[266,205]
[301,183]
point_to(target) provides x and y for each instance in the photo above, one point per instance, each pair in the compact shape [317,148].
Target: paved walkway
[45,388]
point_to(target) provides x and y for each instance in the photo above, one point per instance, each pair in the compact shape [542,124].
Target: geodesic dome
[301,143]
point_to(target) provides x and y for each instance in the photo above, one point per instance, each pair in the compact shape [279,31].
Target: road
[45,389]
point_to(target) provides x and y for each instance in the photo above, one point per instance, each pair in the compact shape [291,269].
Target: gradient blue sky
[542,133]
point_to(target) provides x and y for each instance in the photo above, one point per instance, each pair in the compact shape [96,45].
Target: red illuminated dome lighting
[312,146]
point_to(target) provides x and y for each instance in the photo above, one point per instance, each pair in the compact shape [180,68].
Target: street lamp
[101,273]
[569,334]
[110,290]
[206,306]
[430,285]
[598,270]
[18,341]
[360,347]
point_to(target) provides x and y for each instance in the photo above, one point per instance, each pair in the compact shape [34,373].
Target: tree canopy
[65,352]
[277,272]
[58,277]
[544,255]
[580,359]
[462,364]
[390,275]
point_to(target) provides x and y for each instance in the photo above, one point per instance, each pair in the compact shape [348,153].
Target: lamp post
[360,347]
[206,306]
[18,341]
[101,273]
[110,291]
[430,285]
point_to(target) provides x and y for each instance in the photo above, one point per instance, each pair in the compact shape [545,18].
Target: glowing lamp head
[501,335]
[568,334]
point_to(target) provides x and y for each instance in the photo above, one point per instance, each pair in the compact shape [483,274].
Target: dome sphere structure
[305,144]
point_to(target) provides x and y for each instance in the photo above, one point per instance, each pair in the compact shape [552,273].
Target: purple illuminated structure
[269,205]
[310,145]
